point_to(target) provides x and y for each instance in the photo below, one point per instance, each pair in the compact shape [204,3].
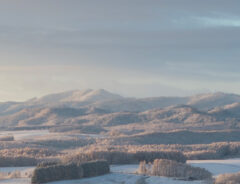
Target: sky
[136,48]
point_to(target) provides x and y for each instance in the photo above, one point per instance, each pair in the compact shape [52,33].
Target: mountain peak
[87,95]
[92,96]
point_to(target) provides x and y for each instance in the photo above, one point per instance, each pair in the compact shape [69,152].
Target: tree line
[119,157]
[50,172]
[171,168]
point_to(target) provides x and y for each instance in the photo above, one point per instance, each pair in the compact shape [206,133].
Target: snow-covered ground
[118,178]
[84,136]
[11,169]
[25,134]
[113,178]
[124,169]
[124,174]
[25,172]
[29,135]
[16,181]
[217,167]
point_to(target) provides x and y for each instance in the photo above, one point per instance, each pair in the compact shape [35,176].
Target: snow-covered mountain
[100,107]
[212,100]
[83,96]
[106,100]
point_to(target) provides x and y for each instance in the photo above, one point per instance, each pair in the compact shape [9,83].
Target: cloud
[24,82]
[160,46]
[225,22]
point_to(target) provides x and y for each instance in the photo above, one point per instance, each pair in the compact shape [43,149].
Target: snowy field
[29,135]
[118,178]
[217,167]
[124,169]
[114,178]
[84,136]
[124,174]
[12,169]
[16,181]
[25,134]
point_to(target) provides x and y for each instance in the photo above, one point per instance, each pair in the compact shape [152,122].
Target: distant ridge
[113,102]
[88,95]
[103,108]
[212,100]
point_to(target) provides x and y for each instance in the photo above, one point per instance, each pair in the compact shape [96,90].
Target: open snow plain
[217,167]
[25,134]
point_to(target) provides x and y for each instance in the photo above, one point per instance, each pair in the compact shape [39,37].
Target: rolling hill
[103,109]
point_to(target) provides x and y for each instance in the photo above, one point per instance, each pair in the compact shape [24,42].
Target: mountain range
[105,111]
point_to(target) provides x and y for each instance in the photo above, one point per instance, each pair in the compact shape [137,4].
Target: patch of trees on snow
[19,161]
[214,151]
[64,144]
[228,178]
[119,157]
[19,157]
[28,152]
[218,150]
[7,138]
[13,174]
[171,168]
[51,172]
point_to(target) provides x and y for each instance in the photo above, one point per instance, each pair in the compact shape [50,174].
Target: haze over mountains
[100,109]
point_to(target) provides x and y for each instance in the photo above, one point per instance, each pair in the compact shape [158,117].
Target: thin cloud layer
[183,46]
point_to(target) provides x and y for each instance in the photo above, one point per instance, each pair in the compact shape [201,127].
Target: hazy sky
[132,47]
